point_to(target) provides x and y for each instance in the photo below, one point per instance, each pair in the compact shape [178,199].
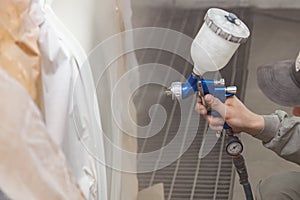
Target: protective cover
[71,116]
[94,23]
[31,167]
[24,28]
[18,36]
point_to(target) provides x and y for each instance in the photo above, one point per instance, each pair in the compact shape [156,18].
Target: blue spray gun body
[197,84]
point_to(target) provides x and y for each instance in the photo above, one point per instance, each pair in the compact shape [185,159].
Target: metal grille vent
[189,177]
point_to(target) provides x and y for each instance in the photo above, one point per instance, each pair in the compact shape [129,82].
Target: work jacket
[281,134]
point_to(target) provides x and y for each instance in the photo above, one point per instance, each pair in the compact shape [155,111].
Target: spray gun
[218,39]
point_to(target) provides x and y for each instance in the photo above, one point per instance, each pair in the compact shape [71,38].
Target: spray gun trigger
[201,93]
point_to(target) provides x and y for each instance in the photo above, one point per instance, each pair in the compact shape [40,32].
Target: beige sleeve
[281,134]
[31,166]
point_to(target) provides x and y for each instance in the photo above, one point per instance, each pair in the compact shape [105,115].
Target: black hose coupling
[239,163]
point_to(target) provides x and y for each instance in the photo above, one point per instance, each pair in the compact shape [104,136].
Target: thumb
[215,104]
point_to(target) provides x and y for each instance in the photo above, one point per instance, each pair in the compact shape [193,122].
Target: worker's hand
[234,112]
[215,123]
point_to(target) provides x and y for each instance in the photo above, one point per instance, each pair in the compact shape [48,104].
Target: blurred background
[275,30]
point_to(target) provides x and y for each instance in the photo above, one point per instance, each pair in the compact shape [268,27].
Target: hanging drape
[32,166]
[100,20]
[71,114]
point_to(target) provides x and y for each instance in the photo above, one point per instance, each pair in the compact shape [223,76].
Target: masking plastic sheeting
[22,24]
[31,167]
[92,22]
[18,36]
[71,116]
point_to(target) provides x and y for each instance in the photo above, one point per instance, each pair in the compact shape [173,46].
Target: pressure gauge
[234,146]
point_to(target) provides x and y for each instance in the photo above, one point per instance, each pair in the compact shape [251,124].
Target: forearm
[254,124]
